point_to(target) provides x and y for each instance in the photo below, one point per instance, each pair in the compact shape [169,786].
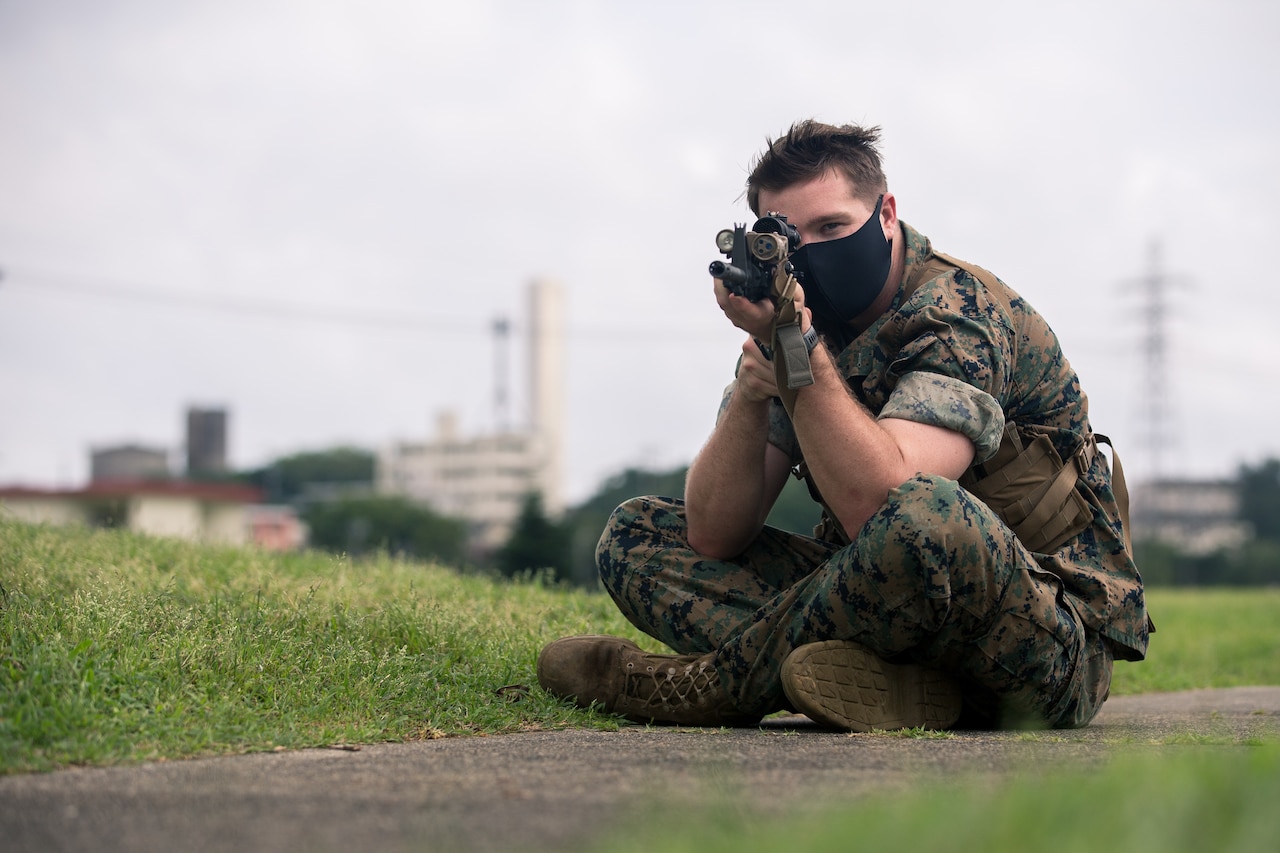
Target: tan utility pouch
[1033,491]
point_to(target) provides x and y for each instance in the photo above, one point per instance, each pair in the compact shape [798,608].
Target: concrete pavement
[548,790]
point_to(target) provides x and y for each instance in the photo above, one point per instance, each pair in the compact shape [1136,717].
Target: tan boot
[846,686]
[620,677]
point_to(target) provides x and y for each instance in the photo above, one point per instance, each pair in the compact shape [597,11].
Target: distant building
[1196,516]
[482,480]
[201,512]
[206,441]
[276,528]
[485,479]
[128,462]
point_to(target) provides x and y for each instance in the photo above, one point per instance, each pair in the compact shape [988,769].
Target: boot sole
[843,685]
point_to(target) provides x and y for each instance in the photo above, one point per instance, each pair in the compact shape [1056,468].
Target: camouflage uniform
[934,577]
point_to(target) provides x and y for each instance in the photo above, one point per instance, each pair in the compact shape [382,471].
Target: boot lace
[672,684]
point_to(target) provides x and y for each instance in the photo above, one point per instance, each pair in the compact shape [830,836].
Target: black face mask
[841,278]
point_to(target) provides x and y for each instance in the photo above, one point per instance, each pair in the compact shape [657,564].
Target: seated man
[963,572]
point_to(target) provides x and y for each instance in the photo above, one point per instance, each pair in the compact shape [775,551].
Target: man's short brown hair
[809,150]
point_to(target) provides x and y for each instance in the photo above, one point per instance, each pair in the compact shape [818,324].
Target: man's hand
[756,318]
[756,380]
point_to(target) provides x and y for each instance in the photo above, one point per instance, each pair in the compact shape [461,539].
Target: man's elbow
[717,545]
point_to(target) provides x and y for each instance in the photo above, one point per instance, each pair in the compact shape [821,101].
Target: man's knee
[936,535]
[928,570]
[636,527]
[928,500]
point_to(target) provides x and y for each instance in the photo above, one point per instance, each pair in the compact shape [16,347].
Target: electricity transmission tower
[501,401]
[1158,419]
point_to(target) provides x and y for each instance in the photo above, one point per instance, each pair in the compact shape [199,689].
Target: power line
[103,288]
[126,291]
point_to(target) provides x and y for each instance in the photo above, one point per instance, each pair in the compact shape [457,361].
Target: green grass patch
[116,647]
[1215,637]
[1193,800]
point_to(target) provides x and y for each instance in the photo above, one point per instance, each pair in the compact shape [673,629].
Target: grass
[1190,801]
[118,648]
[1207,638]
[1197,792]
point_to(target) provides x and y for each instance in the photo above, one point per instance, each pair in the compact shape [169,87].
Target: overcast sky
[311,212]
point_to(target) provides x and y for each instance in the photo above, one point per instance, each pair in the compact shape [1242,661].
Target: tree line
[1256,562]
[333,491]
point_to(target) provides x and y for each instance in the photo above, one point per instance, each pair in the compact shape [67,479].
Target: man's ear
[889,215]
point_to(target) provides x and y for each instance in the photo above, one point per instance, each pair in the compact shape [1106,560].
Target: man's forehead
[826,194]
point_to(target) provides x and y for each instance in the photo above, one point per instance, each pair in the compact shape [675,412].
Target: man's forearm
[726,492]
[856,458]
[854,461]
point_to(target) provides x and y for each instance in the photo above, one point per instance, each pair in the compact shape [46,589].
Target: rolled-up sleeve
[938,400]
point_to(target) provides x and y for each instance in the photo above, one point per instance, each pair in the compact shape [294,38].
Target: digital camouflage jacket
[950,352]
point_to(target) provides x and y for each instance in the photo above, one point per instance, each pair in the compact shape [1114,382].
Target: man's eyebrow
[834,216]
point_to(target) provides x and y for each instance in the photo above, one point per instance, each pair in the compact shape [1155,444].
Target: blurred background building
[128,462]
[485,479]
[201,512]
[206,441]
[1196,516]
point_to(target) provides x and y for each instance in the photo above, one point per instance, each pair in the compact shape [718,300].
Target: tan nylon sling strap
[791,365]
[1121,491]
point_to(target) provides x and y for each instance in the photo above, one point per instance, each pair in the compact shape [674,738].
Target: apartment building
[484,479]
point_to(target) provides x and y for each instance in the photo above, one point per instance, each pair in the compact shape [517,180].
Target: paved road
[545,790]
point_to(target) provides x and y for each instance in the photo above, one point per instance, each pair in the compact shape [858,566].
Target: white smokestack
[546,384]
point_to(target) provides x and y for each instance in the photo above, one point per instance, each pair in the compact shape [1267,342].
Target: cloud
[410,166]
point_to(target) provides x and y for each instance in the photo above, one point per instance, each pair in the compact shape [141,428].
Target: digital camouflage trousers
[934,578]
